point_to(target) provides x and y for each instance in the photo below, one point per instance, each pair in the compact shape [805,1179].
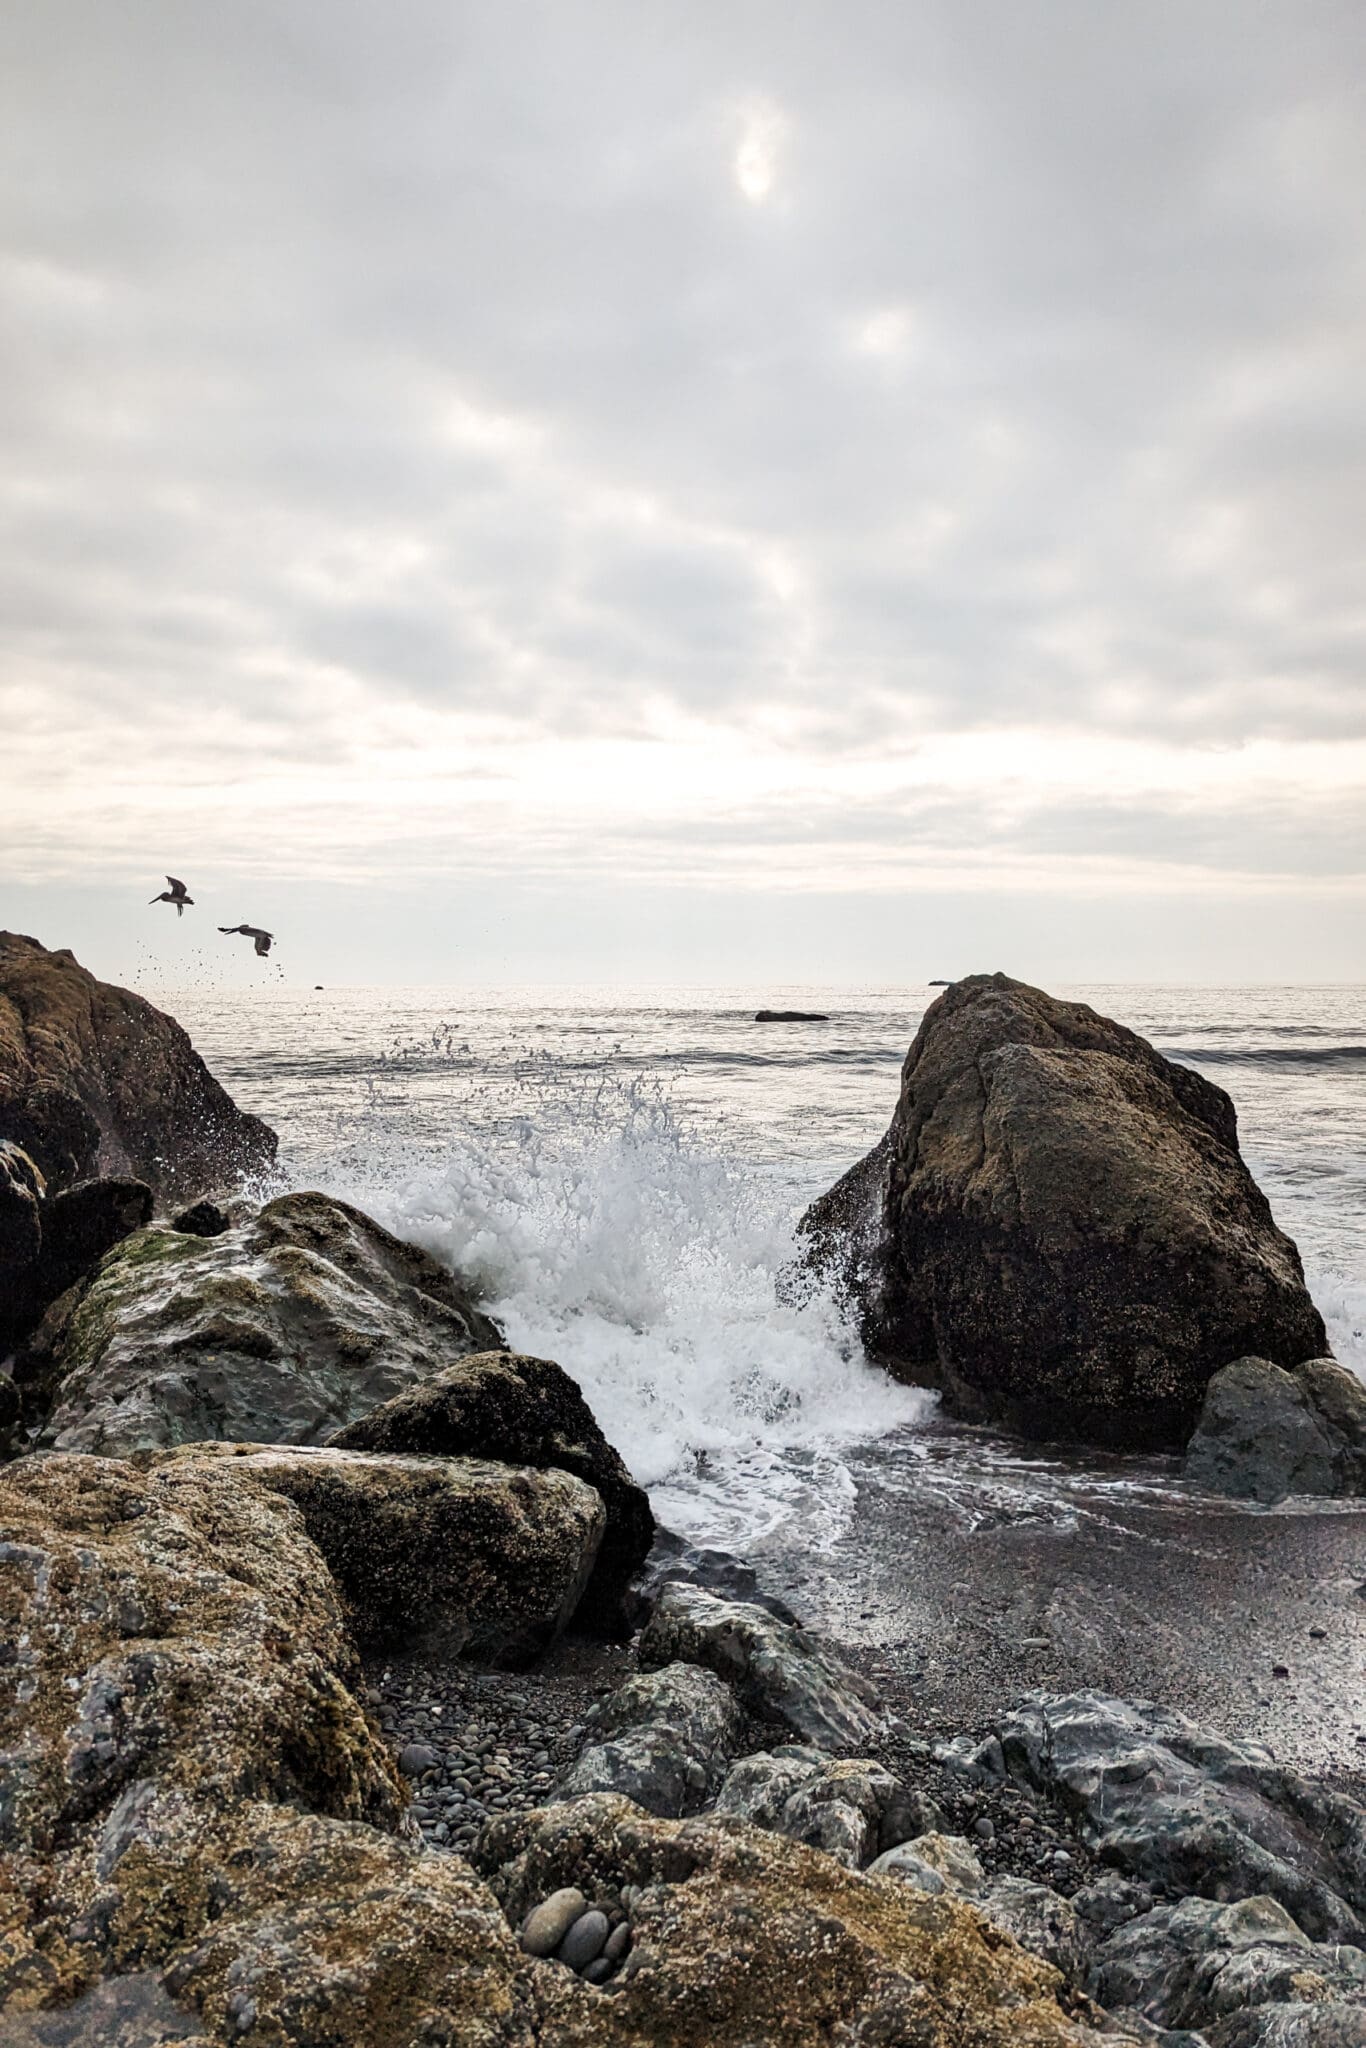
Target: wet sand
[973,1568]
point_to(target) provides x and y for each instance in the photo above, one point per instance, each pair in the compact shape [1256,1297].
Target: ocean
[619,1172]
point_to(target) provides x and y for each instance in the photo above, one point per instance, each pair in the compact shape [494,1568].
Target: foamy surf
[602,1235]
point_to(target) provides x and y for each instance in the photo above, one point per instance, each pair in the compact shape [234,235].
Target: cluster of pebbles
[590,1937]
[479,1744]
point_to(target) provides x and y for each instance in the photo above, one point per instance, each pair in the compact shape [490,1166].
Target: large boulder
[1058,1229]
[838,1806]
[74,1227]
[528,1411]
[277,1331]
[1185,1809]
[455,1555]
[1265,1433]
[95,1081]
[740,1936]
[780,1671]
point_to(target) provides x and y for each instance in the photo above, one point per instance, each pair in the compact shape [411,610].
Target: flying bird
[252,931]
[177,894]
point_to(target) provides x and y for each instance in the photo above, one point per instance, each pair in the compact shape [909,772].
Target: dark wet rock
[1058,1229]
[718,1571]
[1040,1919]
[290,1324]
[1111,1901]
[22,1188]
[478,1559]
[739,1935]
[76,1227]
[202,1219]
[125,2012]
[909,1812]
[790,1017]
[1328,2025]
[802,1793]
[1185,1809]
[663,1739]
[1196,1962]
[584,1942]
[94,1082]
[780,1671]
[1265,1433]
[527,1411]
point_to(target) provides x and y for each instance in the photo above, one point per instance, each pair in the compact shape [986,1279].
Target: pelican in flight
[177,894]
[251,931]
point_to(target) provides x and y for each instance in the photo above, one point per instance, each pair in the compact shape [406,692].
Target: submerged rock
[94,1081]
[1265,1433]
[277,1331]
[458,1554]
[779,1670]
[1059,1229]
[663,1739]
[527,1411]
[1185,1809]
[740,1936]
[835,1806]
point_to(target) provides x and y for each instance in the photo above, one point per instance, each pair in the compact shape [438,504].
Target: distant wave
[1268,1055]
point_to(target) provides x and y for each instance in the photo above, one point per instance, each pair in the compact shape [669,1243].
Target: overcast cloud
[892,452]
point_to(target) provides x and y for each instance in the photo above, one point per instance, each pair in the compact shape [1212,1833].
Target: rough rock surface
[1058,1228]
[740,1936]
[663,1739]
[803,1794]
[1197,1962]
[1185,1809]
[95,1081]
[779,1670]
[22,1187]
[1265,1433]
[527,1411]
[933,1863]
[277,1331]
[473,1558]
[1040,1919]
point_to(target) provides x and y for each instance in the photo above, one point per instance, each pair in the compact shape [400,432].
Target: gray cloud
[358,366]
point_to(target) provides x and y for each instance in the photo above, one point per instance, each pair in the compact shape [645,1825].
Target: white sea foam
[647,1263]
[1341,1301]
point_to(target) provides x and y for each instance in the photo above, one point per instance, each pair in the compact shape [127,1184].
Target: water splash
[606,1235]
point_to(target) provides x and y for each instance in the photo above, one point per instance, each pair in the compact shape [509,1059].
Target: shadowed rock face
[1058,1228]
[528,1411]
[1265,1433]
[277,1331]
[95,1081]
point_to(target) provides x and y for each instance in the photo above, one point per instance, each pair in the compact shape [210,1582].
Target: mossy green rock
[280,1330]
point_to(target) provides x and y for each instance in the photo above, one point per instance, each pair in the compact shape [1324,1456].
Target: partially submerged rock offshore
[95,1081]
[1058,1229]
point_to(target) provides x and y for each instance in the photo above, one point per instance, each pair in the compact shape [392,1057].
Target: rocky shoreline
[349,1697]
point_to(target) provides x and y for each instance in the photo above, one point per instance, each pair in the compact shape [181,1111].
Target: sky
[699,491]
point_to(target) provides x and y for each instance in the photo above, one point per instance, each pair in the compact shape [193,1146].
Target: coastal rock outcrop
[1265,1433]
[475,1559]
[1184,1809]
[778,1670]
[838,1806]
[1058,1229]
[742,1936]
[1199,1962]
[95,1081]
[663,1740]
[527,1411]
[279,1330]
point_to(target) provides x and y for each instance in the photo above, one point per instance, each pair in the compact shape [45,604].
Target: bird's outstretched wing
[229,927]
[263,940]
[179,887]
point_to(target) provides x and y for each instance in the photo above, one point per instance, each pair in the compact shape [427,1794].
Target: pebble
[546,1925]
[617,1943]
[984,1829]
[597,1972]
[415,1758]
[584,1942]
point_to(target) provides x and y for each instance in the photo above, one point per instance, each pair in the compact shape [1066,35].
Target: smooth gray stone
[546,1925]
[583,1943]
